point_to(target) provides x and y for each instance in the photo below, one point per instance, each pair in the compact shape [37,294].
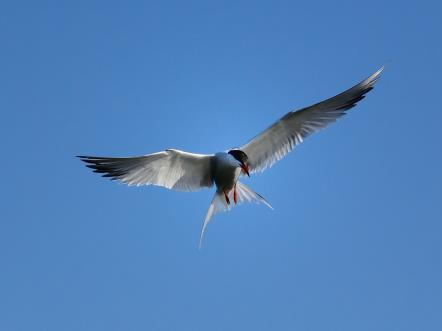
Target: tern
[184,171]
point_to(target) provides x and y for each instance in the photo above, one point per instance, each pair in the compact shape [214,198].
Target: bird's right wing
[275,142]
[171,168]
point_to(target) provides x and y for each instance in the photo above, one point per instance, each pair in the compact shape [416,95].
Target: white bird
[183,171]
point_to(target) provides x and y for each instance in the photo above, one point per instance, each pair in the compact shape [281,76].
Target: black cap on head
[239,155]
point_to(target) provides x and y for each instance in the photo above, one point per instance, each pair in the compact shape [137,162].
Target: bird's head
[242,158]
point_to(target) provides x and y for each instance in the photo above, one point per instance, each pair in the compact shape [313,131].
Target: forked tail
[219,204]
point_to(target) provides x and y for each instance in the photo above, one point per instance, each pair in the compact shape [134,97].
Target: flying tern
[184,171]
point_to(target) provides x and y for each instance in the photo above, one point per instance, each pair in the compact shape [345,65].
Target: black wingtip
[83,157]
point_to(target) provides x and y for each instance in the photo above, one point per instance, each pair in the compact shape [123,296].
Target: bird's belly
[225,178]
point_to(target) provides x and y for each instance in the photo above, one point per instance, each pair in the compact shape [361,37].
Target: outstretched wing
[280,138]
[171,168]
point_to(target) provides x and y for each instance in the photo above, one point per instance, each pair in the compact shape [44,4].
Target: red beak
[245,168]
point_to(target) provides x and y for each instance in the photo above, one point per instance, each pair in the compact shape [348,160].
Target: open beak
[245,168]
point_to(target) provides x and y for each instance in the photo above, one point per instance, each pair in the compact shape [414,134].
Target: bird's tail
[219,203]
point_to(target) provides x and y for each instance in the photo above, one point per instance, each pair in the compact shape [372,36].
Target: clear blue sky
[354,242]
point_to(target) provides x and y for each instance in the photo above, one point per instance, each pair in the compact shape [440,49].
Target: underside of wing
[280,138]
[171,168]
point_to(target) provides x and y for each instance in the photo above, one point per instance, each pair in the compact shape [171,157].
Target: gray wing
[280,138]
[171,168]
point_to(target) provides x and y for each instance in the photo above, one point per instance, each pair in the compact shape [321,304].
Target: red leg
[227,198]
[235,196]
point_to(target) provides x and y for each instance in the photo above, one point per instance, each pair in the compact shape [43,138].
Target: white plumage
[179,170]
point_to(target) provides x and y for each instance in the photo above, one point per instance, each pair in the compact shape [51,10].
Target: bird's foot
[227,198]
[235,196]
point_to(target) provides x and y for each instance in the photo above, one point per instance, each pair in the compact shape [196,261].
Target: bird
[183,171]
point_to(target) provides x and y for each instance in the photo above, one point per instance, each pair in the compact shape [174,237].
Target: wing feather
[171,168]
[285,134]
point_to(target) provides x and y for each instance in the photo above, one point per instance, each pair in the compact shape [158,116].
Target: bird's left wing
[280,138]
[171,168]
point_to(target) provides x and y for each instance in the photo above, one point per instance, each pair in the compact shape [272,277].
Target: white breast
[226,171]
[227,160]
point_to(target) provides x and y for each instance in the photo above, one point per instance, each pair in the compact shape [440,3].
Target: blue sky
[354,242]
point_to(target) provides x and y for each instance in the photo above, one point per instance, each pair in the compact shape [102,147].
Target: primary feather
[280,138]
[171,168]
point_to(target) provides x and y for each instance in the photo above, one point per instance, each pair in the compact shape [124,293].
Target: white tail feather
[219,204]
[246,194]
